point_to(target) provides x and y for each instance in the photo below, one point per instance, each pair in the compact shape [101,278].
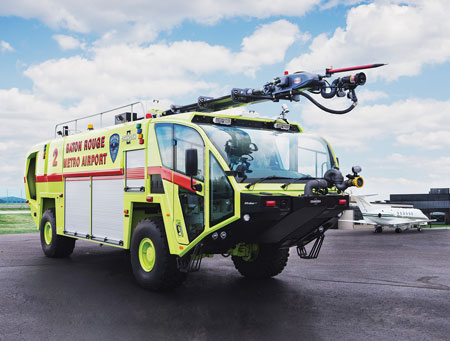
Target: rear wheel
[269,261]
[153,266]
[54,245]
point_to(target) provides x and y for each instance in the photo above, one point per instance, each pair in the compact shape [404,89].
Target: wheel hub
[147,254]
[48,235]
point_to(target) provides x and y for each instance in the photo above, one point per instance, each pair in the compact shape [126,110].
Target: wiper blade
[272,177]
[284,186]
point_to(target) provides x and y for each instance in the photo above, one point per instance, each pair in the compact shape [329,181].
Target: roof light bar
[282,126]
[222,120]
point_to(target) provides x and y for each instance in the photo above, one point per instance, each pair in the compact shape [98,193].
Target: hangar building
[435,204]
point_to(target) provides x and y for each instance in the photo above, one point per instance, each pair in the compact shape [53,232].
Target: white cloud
[384,186]
[333,3]
[431,140]
[5,46]
[422,123]
[407,35]
[437,165]
[278,35]
[140,20]
[366,95]
[66,42]
[26,119]
[117,74]
[136,33]
[158,70]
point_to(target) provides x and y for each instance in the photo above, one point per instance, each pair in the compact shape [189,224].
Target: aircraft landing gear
[419,229]
[378,229]
[398,230]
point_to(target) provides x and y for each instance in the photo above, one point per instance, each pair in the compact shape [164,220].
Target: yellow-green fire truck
[189,182]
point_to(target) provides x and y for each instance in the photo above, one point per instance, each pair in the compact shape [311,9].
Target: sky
[62,59]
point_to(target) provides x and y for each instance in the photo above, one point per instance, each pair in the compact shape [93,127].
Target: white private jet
[381,215]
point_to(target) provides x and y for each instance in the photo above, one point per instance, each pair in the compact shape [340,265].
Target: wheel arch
[47,204]
[139,212]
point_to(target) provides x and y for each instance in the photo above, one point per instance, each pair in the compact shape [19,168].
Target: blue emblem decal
[114,146]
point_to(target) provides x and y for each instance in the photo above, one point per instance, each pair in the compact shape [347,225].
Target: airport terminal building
[435,204]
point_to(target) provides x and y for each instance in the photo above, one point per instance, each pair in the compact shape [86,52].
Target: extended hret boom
[288,87]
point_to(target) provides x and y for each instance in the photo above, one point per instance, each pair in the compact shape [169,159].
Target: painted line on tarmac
[432,286]
[435,228]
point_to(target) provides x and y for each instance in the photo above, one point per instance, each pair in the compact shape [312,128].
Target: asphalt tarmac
[363,286]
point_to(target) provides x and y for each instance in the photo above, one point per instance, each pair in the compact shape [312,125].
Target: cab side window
[135,170]
[188,138]
[164,135]
[173,140]
[222,194]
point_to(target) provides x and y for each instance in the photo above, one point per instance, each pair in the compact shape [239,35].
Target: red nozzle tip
[286,73]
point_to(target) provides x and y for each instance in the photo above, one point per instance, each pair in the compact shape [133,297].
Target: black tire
[378,229]
[55,246]
[398,230]
[164,273]
[269,262]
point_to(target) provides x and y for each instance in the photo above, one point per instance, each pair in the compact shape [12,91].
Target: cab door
[188,205]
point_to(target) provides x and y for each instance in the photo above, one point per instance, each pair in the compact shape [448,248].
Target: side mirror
[191,162]
[191,159]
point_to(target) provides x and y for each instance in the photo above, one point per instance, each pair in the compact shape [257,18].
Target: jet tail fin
[362,203]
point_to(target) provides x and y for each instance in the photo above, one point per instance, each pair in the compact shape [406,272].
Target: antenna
[284,111]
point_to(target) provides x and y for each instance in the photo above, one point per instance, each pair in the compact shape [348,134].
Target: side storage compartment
[77,205]
[107,209]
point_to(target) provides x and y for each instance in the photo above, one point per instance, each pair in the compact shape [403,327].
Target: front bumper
[282,220]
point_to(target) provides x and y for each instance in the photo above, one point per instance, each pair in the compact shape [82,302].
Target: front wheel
[153,266]
[269,261]
[54,245]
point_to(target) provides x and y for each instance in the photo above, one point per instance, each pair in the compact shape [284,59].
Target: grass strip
[16,223]
[14,209]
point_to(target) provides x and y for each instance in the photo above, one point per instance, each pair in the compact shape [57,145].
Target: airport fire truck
[174,186]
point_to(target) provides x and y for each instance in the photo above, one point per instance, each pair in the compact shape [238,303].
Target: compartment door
[77,206]
[107,209]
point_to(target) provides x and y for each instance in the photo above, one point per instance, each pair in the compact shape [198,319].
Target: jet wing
[422,221]
[359,222]
[409,222]
[400,223]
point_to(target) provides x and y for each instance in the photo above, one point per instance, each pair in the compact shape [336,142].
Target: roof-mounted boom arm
[288,87]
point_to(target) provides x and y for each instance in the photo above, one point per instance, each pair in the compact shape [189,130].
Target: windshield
[258,153]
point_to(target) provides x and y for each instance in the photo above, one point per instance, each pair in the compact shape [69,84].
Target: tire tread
[171,277]
[61,246]
[270,262]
